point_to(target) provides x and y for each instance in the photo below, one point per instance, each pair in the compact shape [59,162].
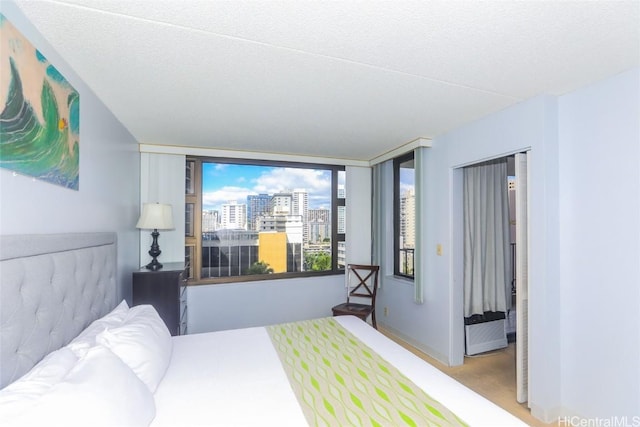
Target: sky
[222,183]
[407,180]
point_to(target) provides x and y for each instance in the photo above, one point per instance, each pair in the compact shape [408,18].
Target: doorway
[517,293]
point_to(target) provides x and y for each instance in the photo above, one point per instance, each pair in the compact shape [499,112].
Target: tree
[318,261]
[259,267]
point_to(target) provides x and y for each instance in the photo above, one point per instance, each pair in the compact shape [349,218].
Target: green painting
[40,119]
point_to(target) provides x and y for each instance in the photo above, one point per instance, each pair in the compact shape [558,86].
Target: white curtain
[377,217]
[487,266]
[358,206]
[382,220]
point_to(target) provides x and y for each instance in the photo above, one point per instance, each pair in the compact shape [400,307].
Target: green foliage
[317,261]
[259,267]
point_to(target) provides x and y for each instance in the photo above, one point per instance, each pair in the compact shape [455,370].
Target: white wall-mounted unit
[486,336]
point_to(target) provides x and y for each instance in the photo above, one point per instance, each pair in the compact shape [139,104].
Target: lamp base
[154,265]
[155,252]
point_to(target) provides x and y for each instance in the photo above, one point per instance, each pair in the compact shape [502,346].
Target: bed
[73,354]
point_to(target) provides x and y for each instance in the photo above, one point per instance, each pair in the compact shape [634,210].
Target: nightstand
[165,290]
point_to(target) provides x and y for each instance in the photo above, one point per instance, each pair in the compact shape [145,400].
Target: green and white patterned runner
[339,381]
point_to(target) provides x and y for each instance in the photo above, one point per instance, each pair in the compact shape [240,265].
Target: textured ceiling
[349,79]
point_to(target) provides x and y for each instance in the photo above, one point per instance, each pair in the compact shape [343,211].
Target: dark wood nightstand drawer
[165,289]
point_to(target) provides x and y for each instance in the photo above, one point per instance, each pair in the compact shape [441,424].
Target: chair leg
[373,319]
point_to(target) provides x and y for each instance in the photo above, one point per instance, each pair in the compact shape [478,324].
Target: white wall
[436,326]
[108,197]
[600,248]
[585,246]
[240,305]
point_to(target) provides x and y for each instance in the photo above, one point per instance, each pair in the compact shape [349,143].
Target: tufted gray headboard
[51,287]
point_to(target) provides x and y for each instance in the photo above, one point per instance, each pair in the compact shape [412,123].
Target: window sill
[262,277]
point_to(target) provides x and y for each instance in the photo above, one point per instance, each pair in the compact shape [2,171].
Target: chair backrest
[364,283]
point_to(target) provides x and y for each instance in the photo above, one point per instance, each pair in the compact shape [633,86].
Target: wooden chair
[365,289]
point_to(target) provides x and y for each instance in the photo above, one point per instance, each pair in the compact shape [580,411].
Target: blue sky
[222,183]
[407,179]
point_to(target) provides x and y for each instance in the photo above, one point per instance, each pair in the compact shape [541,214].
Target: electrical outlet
[439,249]
[386,311]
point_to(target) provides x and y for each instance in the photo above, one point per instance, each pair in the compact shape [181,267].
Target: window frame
[397,161]
[196,241]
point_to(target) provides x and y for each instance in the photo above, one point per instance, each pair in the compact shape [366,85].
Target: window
[404,213]
[254,220]
[192,204]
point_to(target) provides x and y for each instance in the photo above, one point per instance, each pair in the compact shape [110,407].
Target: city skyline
[223,183]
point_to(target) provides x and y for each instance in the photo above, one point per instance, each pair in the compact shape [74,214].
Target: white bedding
[106,376]
[235,378]
[227,378]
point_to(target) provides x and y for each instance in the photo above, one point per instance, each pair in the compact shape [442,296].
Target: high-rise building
[257,205]
[273,250]
[291,225]
[210,221]
[300,202]
[342,211]
[234,216]
[300,206]
[342,254]
[318,225]
[408,219]
[281,204]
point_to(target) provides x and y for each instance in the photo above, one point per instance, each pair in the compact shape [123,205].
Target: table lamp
[155,216]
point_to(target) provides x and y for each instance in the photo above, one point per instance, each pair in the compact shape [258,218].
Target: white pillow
[20,394]
[87,338]
[100,390]
[143,342]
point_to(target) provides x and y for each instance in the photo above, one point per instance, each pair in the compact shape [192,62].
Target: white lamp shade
[156,216]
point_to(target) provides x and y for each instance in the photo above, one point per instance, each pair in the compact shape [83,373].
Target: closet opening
[493,265]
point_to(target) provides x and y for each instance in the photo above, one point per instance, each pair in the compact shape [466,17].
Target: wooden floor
[491,374]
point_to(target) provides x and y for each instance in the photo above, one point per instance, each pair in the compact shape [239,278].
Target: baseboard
[412,342]
[548,416]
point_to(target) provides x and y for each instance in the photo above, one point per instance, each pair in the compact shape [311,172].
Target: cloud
[215,199]
[317,183]
[281,179]
[404,187]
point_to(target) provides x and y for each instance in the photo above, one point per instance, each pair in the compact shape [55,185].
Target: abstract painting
[40,118]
